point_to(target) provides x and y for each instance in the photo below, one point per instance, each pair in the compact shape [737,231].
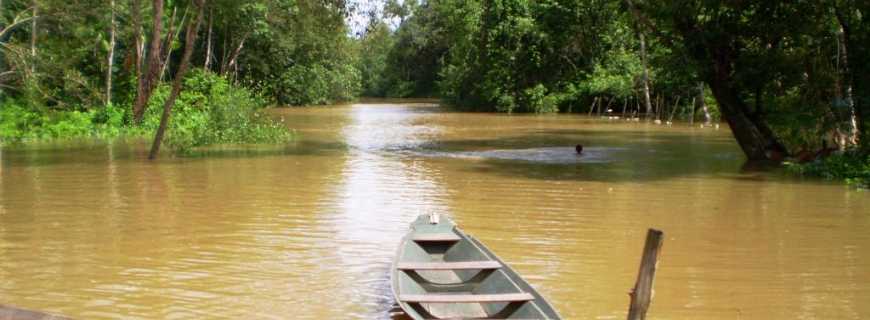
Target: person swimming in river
[579,148]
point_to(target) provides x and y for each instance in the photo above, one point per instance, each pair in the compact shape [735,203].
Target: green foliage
[375,45]
[16,121]
[539,101]
[316,84]
[211,111]
[253,42]
[302,55]
[508,55]
[533,56]
[505,103]
[851,166]
[69,124]
[615,76]
[344,82]
[301,85]
[19,123]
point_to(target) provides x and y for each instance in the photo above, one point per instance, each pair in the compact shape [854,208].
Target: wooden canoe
[442,273]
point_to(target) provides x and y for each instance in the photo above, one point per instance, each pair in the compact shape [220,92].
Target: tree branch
[645,21]
[15,22]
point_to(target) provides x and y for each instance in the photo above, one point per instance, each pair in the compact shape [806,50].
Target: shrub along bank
[209,111]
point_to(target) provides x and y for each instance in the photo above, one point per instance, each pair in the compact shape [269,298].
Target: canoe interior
[467,283]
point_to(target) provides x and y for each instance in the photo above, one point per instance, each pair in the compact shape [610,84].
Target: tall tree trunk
[171,34]
[701,101]
[136,15]
[33,37]
[484,32]
[207,64]
[643,60]
[692,112]
[752,134]
[857,90]
[232,62]
[148,78]
[225,53]
[189,42]
[716,56]
[111,58]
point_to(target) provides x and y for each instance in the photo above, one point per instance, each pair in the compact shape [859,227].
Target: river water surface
[307,231]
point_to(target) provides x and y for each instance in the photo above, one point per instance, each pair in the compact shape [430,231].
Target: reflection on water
[308,231]
[374,201]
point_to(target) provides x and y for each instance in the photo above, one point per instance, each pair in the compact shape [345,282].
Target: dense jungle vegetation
[790,79]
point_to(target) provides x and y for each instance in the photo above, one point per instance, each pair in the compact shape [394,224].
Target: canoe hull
[440,272]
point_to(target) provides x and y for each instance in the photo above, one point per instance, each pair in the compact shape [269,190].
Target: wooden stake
[692,113]
[674,110]
[600,111]
[624,104]
[591,108]
[641,294]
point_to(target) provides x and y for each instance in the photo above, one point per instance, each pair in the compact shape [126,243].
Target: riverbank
[210,111]
[853,167]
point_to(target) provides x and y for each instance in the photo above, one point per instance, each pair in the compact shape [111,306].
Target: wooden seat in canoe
[458,265]
[436,237]
[467,298]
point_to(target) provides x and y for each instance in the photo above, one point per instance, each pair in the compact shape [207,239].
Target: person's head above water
[579,148]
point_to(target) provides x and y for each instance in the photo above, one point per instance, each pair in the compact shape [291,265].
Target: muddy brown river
[308,230]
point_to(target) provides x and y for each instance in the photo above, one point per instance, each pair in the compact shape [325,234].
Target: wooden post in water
[641,294]
[692,114]
[592,108]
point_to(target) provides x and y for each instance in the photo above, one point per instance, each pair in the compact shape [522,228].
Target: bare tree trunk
[752,134]
[692,113]
[111,59]
[645,74]
[171,34]
[136,15]
[483,55]
[33,37]
[624,105]
[592,108]
[148,79]
[858,88]
[717,56]
[703,104]
[166,49]
[208,53]
[235,72]
[231,62]
[189,42]
[674,110]
[224,55]
[843,69]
